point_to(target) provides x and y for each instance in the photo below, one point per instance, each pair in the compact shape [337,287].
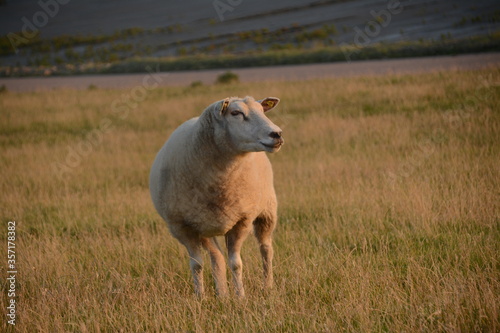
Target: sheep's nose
[275,135]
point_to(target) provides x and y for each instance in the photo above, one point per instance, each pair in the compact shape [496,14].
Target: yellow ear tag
[224,105]
[268,104]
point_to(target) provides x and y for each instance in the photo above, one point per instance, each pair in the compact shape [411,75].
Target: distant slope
[421,18]
[94,33]
[105,17]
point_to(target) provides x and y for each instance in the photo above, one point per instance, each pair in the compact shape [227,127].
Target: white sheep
[212,177]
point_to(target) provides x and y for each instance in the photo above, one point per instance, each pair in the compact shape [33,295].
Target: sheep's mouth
[273,146]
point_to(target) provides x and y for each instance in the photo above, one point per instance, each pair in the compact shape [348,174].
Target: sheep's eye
[235,113]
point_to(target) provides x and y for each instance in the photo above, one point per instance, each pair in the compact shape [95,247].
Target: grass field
[389,217]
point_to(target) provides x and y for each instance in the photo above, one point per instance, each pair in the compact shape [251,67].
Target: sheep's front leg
[234,241]
[218,265]
[264,226]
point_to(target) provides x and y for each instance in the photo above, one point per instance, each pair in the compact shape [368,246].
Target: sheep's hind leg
[193,244]
[263,228]
[234,241]
[218,265]
[196,265]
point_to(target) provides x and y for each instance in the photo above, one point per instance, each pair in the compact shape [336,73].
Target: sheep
[213,178]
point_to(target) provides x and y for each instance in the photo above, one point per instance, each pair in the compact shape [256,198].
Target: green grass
[281,54]
[318,55]
[388,218]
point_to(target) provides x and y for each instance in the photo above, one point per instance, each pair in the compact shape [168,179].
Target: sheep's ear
[223,105]
[269,103]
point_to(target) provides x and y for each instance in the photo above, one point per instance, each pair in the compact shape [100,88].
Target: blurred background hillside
[94,36]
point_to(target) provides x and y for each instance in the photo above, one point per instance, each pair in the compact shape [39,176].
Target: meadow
[389,209]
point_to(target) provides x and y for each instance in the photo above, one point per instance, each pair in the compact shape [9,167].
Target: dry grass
[389,210]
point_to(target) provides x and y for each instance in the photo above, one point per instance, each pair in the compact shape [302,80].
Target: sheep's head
[246,125]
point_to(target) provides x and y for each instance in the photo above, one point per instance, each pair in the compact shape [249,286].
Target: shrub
[227,77]
[196,84]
